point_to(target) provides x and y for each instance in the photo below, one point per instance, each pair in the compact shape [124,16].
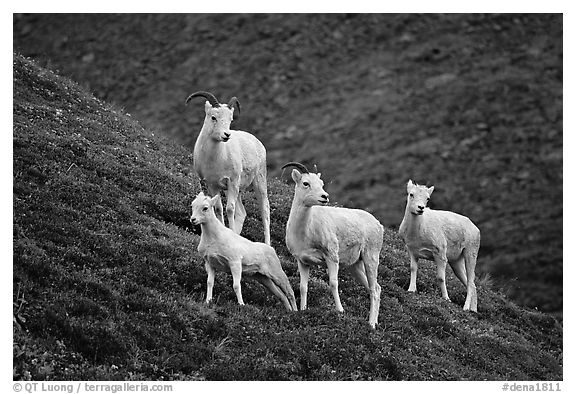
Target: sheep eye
[306,184]
[204,209]
[213,118]
[411,194]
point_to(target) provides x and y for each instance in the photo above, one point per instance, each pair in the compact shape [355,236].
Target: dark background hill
[470,103]
[107,283]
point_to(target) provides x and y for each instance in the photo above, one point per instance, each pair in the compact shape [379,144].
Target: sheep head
[218,116]
[309,188]
[418,197]
[203,208]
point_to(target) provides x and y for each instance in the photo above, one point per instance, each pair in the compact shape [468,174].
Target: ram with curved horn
[230,161]
[332,237]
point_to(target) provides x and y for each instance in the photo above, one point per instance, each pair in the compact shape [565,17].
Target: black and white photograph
[287,197]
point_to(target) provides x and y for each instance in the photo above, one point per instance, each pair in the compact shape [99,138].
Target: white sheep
[224,250]
[441,236]
[230,160]
[333,237]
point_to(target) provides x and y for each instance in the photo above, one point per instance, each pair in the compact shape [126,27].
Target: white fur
[441,236]
[224,250]
[231,160]
[333,237]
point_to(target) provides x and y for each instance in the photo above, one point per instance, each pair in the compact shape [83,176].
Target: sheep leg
[359,273]
[260,189]
[371,268]
[231,197]
[304,271]
[366,274]
[218,208]
[332,268]
[270,285]
[210,281]
[240,214]
[441,263]
[236,270]
[471,302]
[459,270]
[413,271]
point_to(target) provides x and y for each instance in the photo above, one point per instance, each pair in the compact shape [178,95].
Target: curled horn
[233,101]
[299,166]
[207,95]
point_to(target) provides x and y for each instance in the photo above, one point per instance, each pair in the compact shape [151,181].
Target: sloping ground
[470,103]
[108,285]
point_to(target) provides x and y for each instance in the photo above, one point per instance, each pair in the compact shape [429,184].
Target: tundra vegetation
[107,282]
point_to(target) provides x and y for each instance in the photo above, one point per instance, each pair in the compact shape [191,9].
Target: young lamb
[332,237]
[230,160]
[441,236]
[224,250]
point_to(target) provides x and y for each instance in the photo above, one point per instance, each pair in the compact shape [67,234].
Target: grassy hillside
[108,285]
[470,103]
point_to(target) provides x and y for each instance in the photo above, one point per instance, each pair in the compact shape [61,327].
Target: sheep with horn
[332,237]
[230,160]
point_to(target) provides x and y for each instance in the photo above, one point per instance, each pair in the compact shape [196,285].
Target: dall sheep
[230,160]
[332,237]
[224,250]
[441,236]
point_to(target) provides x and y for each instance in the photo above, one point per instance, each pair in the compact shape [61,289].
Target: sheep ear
[296,175]
[409,185]
[430,190]
[207,105]
[214,200]
[319,174]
